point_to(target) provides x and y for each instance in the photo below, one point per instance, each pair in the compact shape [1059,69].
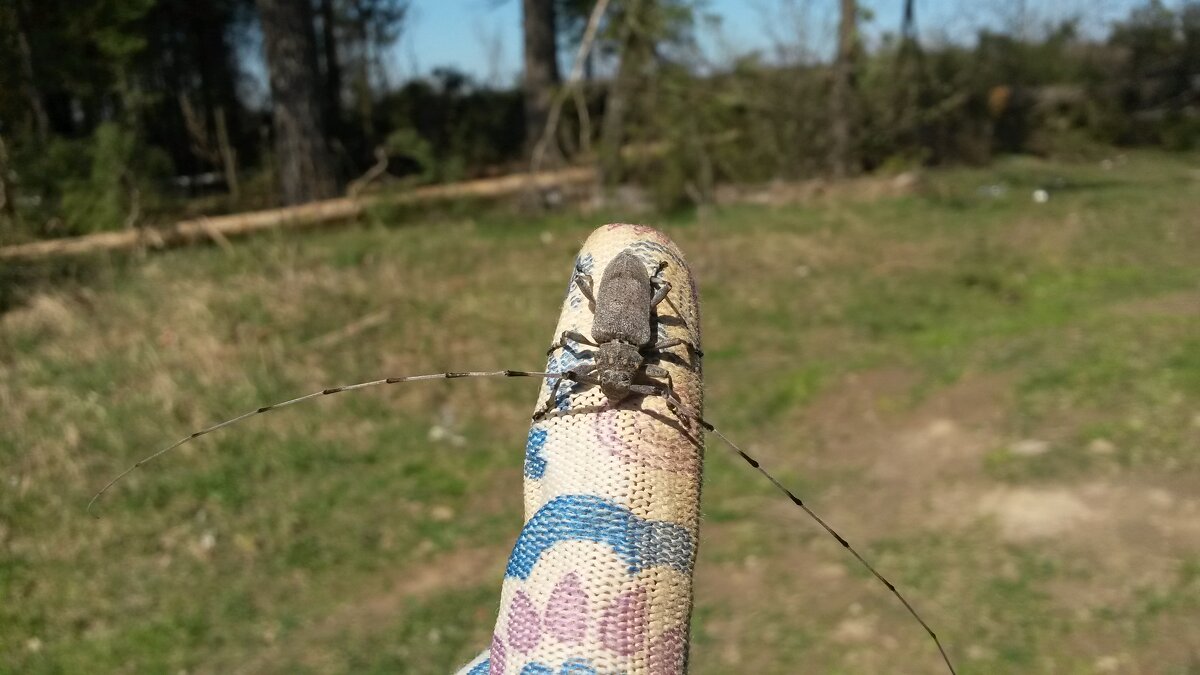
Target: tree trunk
[228,155]
[365,97]
[333,69]
[41,121]
[8,208]
[301,153]
[541,66]
[908,29]
[842,104]
[910,131]
[214,58]
[634,55]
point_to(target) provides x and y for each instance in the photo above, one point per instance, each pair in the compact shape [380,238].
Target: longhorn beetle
[623,330]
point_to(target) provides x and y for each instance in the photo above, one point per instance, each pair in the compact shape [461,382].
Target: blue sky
[482,37]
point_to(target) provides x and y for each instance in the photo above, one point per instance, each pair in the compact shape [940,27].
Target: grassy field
[997,400]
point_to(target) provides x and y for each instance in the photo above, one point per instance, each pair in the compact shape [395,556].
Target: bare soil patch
[904,471]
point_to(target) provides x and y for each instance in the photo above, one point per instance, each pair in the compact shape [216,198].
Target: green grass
[884,356]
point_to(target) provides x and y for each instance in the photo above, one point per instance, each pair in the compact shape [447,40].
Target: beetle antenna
[315,394]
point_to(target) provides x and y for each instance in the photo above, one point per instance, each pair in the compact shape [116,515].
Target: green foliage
[118,186]
[669,124]
[1057,93]
[116,34]
[89,185]
[1149,92]
[408,143]
[453,127]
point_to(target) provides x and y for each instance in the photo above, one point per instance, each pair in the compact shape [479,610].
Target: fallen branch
[216,236]
[305,215]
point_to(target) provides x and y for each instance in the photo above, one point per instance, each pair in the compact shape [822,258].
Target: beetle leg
[646,389]
[584,282]
[573,336]
[660,292]
[650,370]
[660,285]
[580,374]
[657,371]
[673,342]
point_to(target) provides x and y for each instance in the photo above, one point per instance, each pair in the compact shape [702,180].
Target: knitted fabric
[600,578]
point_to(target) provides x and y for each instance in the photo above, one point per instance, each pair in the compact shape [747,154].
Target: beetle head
[617,364]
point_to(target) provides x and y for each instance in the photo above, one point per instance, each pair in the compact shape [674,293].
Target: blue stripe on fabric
[482,668]
[642,543]
[577,667]
[535,463]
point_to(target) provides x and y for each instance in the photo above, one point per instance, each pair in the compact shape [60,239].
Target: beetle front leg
[582,374]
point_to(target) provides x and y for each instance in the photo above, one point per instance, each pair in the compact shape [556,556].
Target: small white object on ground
[1030,447]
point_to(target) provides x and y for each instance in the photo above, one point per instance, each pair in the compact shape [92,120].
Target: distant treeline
[118,113]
